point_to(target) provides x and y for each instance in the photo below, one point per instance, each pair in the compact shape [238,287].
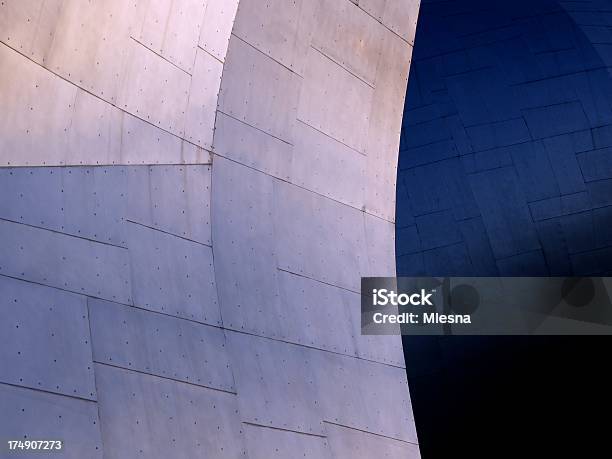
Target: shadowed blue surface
[505,168]
[505,159]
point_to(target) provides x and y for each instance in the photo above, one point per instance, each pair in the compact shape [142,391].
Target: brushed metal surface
[330,107]
[257,90]
[204,181]
[275,383]
[345,442]
[172,275]
[264,442]
[165,418]
[44,339]
[157,344]
[66,262]
[35,415]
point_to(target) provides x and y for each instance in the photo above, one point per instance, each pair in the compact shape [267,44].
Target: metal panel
[36,415]
[237,140]
[149,27]
[293,387]
[44,339]
[364,395]
[341,382]
[275,383]
[217,26]
[172,275]
[175,199]
[376,8]
[21,190]
[153,417]
[268,443]
[340,107]
[327,166]
[380,253]
[48,121]
[379,348]
[89,44]
[346,442]
[142,143]
[327,317]
[401,17]
[154,89]
[172,29]
[123,139]
[244,242]
[318,237]
[280,29]
[259,91]
[385,121]
[161,345]
[379,247]
[94,135]
[205,85]
[28,26]
[316,314]
[94,202]
[500,185]
[355,44]
[67,262]
[36,107]
[386,386]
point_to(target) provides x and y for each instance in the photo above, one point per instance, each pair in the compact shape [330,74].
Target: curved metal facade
[506,169]
[190,192]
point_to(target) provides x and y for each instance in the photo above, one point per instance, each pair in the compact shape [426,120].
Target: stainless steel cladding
[190,192]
